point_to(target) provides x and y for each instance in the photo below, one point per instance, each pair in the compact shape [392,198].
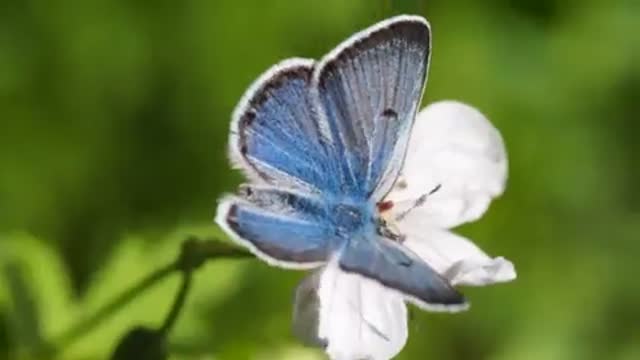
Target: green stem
[194,253]
[87,325]
[212,250]
[178,303]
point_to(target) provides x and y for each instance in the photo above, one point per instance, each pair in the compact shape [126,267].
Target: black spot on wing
[390,113]
[245,191]
[248,118]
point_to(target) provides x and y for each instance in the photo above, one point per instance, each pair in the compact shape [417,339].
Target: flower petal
[456,258]
[306,311]
[352,317]
[454,146]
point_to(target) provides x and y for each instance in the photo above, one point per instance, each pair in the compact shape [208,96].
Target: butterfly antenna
[420,201]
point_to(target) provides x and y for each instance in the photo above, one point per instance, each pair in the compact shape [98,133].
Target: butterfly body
[350,220]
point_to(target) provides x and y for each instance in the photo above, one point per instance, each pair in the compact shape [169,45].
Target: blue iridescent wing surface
[314,135]
[284,228]
[339,127]
[396,267]
[369,89]
[275,138]
[274,133]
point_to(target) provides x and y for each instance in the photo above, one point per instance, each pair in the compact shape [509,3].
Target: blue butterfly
[322,143]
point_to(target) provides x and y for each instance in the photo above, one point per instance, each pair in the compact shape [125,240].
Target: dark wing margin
[274,133]
[368,90]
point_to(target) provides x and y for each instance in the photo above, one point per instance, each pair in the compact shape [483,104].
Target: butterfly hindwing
[285,228]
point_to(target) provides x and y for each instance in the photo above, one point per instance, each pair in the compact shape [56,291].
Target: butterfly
[321,144]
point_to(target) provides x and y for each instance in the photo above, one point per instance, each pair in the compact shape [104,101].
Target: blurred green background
[113,124]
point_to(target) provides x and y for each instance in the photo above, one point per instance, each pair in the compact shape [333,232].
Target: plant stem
[178,303]
[85,326]
[194,253]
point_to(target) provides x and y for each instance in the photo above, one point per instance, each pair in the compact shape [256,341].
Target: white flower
[457,152]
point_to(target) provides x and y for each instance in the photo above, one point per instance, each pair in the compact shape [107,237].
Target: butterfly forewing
[339,127]
[275,136]
[368,90]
